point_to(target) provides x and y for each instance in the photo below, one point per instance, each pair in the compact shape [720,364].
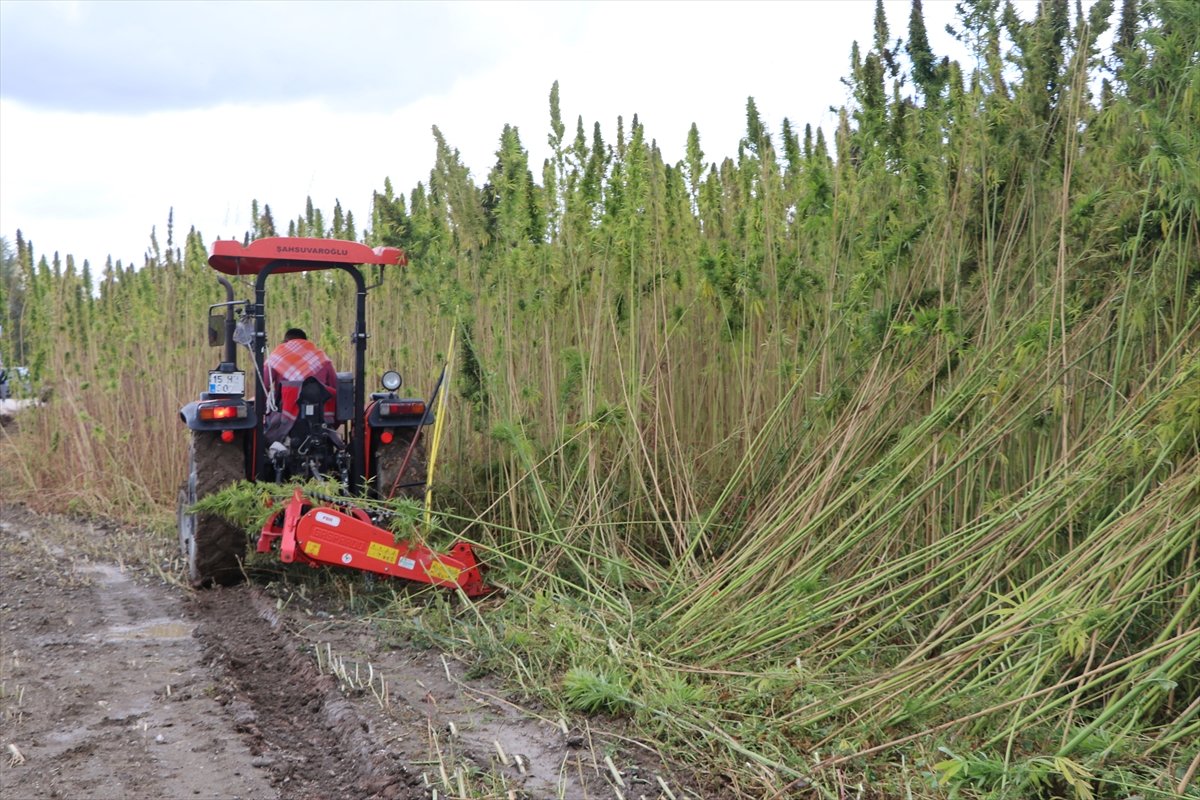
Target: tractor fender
[190,415]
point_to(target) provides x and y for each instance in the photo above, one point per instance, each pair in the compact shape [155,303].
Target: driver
[293,360]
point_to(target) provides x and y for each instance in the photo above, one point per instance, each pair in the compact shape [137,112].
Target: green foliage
[249,505]
[404,515]
[927,74]
[1034,777]
[594,691]
[803,458]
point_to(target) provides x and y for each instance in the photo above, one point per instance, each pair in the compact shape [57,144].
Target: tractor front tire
[390,457]
[213,549]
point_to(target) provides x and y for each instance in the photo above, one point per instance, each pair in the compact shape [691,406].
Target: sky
[114,113]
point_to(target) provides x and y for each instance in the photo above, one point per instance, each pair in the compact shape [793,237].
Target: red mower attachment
[323,534]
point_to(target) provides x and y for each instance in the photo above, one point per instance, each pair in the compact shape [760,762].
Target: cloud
[93,184]
[134,57]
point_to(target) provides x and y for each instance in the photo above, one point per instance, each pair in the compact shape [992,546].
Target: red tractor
[372,447]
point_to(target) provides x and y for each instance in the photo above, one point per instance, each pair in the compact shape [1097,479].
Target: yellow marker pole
[438,426]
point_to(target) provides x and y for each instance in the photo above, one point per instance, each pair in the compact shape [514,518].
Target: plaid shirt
[286,368]
[298,359]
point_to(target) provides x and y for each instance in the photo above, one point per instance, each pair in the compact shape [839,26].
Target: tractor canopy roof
[299,254]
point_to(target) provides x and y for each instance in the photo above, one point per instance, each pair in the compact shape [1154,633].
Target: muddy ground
[116,683]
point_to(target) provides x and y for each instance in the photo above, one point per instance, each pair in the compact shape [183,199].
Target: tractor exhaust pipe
[230,324]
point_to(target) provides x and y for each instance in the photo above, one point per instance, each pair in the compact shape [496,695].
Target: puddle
[154,629]
[105,573]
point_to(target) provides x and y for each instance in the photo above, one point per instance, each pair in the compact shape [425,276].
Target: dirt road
[106,693]
[115,683]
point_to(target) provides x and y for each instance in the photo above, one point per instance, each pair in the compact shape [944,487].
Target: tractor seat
[311,397]
[314,404]
[298,403]
[295,396]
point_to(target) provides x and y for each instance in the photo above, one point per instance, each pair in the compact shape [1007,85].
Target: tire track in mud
[433,729]
[102,691]
[296,720]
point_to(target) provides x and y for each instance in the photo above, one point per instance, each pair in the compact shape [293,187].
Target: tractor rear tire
[213,548]
[390,457]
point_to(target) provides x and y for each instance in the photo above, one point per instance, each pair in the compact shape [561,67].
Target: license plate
[227,383]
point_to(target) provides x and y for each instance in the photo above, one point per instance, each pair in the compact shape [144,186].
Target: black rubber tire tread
[389,457]
[220,546]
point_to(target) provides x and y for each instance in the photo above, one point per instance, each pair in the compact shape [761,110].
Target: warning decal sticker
[443,571]
[312,548]
[383,552]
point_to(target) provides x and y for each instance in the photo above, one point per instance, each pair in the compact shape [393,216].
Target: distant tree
[694,162]
[757,138]
[463,202]
[886,53]
[12,301]
[709,203]
[897,126]
[1128,55]
[389,218]
[155,254]
[194,254]
[1038,51]
[871,100]
[793,156]
[557,129]
[1127,28]
[551,197]
[266,223]
[579,147]
[613,191]
[881,28]
[597,167]
[508,203]
[339,220]
[926,73]
[554,172]
[426,229]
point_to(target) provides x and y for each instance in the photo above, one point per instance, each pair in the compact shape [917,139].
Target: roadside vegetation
[861,462]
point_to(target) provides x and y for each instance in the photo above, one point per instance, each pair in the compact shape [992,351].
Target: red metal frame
[317,534]
[299,254]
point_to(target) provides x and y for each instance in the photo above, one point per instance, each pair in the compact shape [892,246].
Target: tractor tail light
[405,408]
[217,413]
[227,436]
[387,437]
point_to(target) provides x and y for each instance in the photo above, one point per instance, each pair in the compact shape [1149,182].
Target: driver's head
[294,333]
